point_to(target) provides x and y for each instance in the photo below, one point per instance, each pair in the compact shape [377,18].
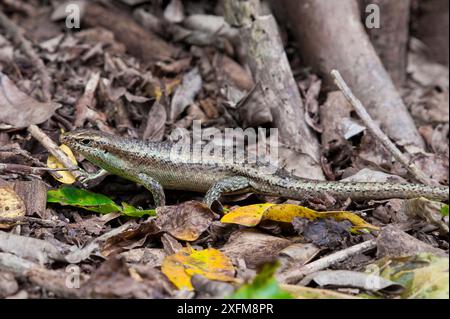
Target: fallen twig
[30,248]
[51,280]
[294,275]
[24,169]
[39,135]
[12,263]
[376,131]
[29,220]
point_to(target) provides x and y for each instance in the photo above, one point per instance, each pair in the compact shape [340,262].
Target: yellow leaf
[286,213]
[252,215]
[157,93]
[246,215]
[52,162]
[11,205]
[210,263]
[171,85]
[357,221]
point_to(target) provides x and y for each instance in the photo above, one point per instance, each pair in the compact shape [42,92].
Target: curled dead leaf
[18,109]
[66,176]
[186,221]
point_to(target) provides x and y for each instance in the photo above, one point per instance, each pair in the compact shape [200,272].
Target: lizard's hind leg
[224,186]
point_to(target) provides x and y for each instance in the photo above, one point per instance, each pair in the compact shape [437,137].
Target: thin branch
[294,275]
[51,280]
[28,220]
[39,135]
[24,169]
[376,131]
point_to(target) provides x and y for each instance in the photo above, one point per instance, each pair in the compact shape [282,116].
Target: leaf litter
[130,252]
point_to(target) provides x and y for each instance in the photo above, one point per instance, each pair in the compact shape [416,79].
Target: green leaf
[444,210]
[72,196]
[132,211]
[263,286]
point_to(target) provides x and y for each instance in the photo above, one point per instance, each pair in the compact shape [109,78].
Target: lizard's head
[93,145]
[102,149]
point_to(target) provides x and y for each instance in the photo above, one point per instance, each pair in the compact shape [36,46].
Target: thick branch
[330,35]
[268,62]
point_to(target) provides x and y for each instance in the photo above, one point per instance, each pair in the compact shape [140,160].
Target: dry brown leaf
[156,123]
[130,238]
[254,247]
[114,279]
[18,110]
[175,67]
[233,72]
[185,93]
[186,221]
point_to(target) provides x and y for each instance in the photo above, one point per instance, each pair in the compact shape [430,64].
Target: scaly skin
[163,165]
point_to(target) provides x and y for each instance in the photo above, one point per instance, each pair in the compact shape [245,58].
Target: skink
[164,165]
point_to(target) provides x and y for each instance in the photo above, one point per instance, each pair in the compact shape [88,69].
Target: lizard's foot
[91,180]
[227,185]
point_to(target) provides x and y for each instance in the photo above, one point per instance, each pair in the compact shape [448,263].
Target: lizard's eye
[85,142]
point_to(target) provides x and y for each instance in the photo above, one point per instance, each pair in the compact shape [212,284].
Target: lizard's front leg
[154,187]
[224,186]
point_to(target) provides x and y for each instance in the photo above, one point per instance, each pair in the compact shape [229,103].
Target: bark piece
[34,195]
[331,36]
[270,68]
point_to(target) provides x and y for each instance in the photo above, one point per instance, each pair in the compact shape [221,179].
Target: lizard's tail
[366,191]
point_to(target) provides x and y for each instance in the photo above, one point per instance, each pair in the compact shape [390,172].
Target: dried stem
[294,275]
[377,132]
[39,135]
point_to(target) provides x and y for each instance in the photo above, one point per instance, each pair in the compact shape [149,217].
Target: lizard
[159,165]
